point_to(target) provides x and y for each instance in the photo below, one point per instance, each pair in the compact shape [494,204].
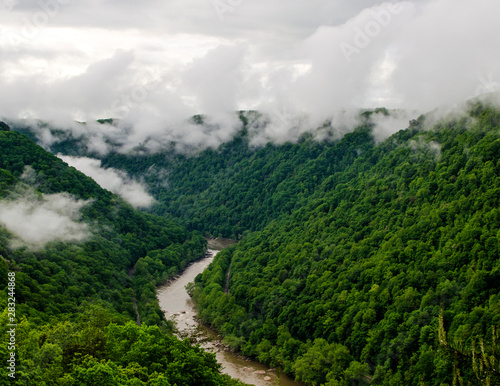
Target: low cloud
[280,125]
[113,180]
[91,137]
[387,125]
[37,220]
[304,59]
[421,146]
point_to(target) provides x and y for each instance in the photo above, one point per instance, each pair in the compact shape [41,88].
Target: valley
[353,256]
[177,304]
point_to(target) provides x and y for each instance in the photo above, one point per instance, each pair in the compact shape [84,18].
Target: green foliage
[156,268]
[482,356]
[322,361]
[367,260]
[74,301]
[96,348]
[237,188]
[355,247]
[4,126]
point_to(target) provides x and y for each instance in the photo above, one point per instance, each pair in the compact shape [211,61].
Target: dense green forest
[359,263]
[350,286]
[236,188]
[74,301]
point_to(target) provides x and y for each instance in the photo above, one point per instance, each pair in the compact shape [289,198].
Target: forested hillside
[358,262]
[237,188]
[74,298]
[350,286]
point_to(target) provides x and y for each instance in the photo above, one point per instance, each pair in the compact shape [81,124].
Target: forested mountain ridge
[237,187]
[73,298]
[349,287]
[358,247]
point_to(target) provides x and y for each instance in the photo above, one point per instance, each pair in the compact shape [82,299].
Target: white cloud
[433,147]
[214,79]
[156,63]
[385,126]
[113,180]
[37,221]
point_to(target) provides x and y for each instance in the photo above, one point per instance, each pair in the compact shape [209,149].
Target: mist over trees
[360,261]
[349,286]
[74,297]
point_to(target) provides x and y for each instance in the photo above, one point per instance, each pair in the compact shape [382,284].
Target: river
[178,306]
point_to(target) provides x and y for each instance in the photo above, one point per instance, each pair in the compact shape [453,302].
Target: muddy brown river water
[178,306]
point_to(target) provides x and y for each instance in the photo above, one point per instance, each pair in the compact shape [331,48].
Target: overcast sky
[155,62]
